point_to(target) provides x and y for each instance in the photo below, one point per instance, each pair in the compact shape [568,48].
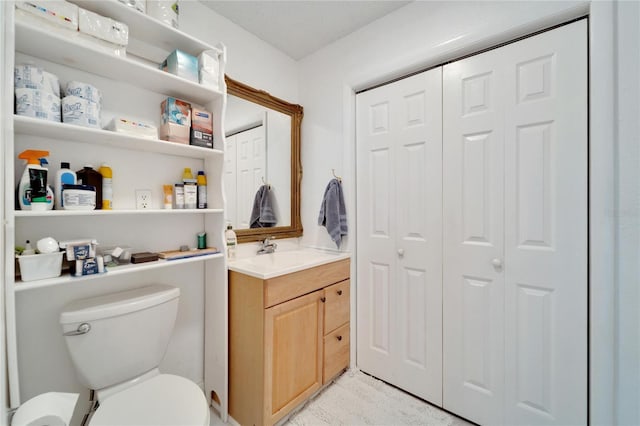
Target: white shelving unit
[151,162]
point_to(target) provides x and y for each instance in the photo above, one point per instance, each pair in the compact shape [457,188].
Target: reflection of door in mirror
[257,153]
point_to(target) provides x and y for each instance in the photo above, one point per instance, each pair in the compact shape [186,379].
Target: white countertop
[265,266]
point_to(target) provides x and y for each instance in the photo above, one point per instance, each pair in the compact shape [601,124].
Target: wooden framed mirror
[262,147]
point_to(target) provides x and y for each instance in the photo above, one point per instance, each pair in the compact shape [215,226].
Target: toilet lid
[164,400]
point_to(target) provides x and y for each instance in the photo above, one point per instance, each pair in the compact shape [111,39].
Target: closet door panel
[473,284]
[399,186]
[546,228]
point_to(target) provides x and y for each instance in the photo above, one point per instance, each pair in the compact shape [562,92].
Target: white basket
[40,266]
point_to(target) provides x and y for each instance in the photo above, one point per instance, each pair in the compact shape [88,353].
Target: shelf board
[87,135]
[72,52]
[51,213]
[145,28]
[111,272]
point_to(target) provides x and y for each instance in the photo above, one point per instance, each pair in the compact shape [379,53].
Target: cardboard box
[201,128]
[173,132]
[181,64]
[175,111]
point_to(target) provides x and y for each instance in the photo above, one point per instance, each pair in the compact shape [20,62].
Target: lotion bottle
[64,176]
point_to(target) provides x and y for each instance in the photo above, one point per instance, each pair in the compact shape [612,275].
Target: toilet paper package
[209,69]
[37,104]
[166,11]
[51,83]
[80,111]
[57,12]
[133,128]
[209,80]
[28,77]
[103,28]
[84,91]
[101,45]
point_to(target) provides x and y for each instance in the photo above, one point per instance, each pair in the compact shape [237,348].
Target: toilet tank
[128,333]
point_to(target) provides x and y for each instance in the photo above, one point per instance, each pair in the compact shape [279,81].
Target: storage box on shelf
[149,162]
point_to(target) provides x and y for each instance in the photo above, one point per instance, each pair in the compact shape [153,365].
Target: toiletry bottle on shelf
[168,196]
[32,190]
[190,189]
[89,176]
[28,250]
[64,176]
[232,241]
[202,190]
[107,186]
[50,197]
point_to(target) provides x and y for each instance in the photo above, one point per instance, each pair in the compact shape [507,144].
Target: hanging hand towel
[333,214]
[262,215]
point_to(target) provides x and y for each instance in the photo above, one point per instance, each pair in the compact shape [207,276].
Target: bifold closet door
[252,163]
[515,232]
[399,216]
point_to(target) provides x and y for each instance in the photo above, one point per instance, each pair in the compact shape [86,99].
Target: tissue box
[103,28]
[175,111]
[181,64]
[164,10]
[201,128]
[40,266]
[209,69]
[79,250]
[133,128]
[37,104]
[60,13]
[173,132]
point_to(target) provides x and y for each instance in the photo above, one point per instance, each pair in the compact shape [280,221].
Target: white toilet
[116,343]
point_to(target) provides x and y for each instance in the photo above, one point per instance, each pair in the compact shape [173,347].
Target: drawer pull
[323,299]
[339,292]
[339,338]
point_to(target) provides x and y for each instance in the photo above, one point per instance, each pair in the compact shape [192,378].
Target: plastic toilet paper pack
[80,111]
[37,104]
[28,77]
[84,91]
[51,83]
[58,12]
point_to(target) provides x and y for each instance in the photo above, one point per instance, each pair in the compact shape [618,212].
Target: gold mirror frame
[263,98]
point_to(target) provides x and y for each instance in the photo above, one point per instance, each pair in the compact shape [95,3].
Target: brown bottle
[89,176]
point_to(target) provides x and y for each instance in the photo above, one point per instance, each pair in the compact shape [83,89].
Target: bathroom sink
[271,265]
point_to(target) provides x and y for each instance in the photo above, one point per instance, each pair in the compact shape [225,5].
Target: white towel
[333,214]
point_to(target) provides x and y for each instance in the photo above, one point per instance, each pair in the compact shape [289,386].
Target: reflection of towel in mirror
[262,215]
[333,214]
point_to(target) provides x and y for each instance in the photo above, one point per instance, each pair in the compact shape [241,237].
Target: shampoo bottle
[107,187]
[32,189]
[64,176]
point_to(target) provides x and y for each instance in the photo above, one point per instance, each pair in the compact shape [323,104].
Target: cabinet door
[293,340]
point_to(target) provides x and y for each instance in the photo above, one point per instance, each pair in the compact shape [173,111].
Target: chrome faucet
[268,246]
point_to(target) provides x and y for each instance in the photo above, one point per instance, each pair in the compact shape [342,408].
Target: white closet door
[251,170]
[473,295]
[528,281]
[546,228]
[399,196]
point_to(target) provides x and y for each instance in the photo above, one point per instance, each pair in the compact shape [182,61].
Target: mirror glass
[262,164]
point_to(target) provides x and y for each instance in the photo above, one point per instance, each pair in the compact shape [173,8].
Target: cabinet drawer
[336,352]
[336,306]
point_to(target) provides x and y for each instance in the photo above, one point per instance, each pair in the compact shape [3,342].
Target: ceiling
[299,28]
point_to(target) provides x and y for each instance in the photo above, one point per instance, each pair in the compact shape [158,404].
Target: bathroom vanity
[288,331]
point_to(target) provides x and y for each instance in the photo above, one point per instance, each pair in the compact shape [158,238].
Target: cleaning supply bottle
[64,176]
[32,189]
[202,190]
[89,176]
[50,197]
[232,241]
[107,186]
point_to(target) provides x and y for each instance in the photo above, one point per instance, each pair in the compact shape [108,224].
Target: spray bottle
[32,190]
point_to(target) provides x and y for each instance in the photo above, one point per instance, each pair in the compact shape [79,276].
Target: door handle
[401,252]
[497,263]
[83,328]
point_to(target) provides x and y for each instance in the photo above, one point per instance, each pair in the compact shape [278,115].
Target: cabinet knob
[339,338]
[339,292]
[323,299]
[497,263]
[400,252]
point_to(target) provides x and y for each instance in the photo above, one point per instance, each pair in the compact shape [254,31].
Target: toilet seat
[164,400]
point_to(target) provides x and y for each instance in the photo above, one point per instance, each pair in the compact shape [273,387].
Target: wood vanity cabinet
[288,336]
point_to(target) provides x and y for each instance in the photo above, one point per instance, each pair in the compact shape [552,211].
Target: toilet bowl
[116,343]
